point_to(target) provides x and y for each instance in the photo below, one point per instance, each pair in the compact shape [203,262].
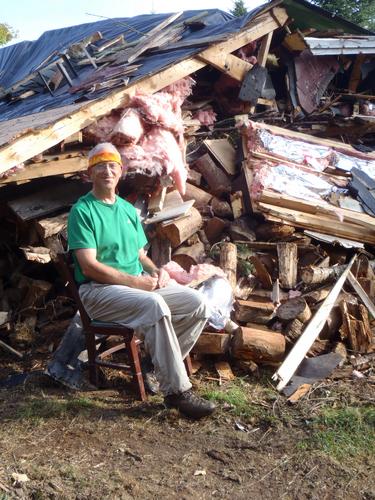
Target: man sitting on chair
[119,283]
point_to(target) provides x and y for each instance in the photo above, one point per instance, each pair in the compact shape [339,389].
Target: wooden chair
[93,328]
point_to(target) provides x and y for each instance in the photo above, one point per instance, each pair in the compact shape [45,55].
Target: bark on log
[294,309]
[187,256]
[314,275]
[258,345]
[179,230]
[228,262]
[287,255]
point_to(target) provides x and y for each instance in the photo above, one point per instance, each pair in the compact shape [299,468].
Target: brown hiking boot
[189,404]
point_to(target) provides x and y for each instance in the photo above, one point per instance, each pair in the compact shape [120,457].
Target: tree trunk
[294,309]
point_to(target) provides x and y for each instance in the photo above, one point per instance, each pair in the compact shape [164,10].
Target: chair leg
[136,369]
[188,365]
[91,353]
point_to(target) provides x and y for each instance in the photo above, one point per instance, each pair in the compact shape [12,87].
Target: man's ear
[89,173]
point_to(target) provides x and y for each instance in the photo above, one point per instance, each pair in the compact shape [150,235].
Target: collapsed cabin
[248,145]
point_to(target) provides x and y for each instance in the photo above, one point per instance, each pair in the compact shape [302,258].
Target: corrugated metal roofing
[336,46]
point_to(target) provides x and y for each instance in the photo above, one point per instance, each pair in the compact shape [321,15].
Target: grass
[343,433]
[37,409]
[237,396]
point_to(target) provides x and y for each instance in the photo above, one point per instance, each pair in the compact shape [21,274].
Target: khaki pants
[169,320]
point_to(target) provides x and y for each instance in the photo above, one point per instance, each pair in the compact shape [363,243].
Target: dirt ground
[104,444]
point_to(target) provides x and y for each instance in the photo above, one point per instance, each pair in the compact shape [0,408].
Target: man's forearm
[148,265]
[102,273]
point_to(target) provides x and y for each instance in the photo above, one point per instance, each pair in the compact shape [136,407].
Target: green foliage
[239,8]
[7,33]
[343,433]
[361,12]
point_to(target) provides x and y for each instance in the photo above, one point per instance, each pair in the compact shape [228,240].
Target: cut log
[259,346]
[41,255]
[287,255]
[221,208]
[181,229]
[355,327]
[314,275]
[187,256]
[241,230]
[214,228]
[228,262]
[52,225]
[316,296]
[201,197]
[319,347]
[293,330]
[212,343]
[294,309]
[261,271]
[216,179]
[258,310]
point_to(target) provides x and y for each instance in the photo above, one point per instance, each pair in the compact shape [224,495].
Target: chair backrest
[65,266]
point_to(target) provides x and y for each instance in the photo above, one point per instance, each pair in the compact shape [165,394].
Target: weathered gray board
[61,194]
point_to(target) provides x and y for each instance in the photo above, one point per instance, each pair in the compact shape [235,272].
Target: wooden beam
[264,49]
[47,168]
[303,344]
[227,63]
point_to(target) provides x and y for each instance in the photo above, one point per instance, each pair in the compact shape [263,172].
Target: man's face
[105,174]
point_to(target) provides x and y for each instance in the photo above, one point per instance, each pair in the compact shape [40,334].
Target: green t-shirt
[114,230]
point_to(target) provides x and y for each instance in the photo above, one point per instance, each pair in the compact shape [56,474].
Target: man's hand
[148,283]
[162,277]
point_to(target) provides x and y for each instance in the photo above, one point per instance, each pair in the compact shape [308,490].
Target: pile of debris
[226,181]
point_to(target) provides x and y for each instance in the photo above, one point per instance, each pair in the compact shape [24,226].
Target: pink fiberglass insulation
[128,129]
[205,116]
[157,109]
[180,90]
[199,272]
[102,129]
[161,147]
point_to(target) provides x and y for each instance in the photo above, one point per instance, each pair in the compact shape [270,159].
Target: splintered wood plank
[156,201]
[51,226]
[303,344]
[224,153]
[224,370]
[261,271]
[48,200]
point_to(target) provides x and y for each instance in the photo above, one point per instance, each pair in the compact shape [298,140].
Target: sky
[31,18]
